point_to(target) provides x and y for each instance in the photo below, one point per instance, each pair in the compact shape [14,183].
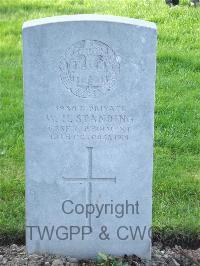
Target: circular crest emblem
[89,69]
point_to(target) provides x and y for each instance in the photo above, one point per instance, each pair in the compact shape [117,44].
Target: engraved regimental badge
[89,69]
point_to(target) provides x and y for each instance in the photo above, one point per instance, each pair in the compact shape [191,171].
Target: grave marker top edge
[89,18]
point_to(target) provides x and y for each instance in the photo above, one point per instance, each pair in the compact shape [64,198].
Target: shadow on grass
[178,62]
[171,238]
[166,237]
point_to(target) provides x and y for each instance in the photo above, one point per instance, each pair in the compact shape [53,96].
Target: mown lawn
[177,116]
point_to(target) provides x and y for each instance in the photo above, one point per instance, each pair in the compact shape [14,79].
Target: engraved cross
[90,179]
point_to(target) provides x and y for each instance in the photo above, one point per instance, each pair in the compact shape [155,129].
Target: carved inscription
[89,122]
[89,69]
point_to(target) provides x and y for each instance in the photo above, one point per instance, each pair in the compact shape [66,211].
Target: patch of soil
[15,255]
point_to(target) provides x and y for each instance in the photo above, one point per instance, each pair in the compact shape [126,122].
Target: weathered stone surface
[89,105]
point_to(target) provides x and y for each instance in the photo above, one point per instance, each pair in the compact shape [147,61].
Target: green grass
[177,115]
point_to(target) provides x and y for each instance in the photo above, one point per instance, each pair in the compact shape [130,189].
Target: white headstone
[89,111]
